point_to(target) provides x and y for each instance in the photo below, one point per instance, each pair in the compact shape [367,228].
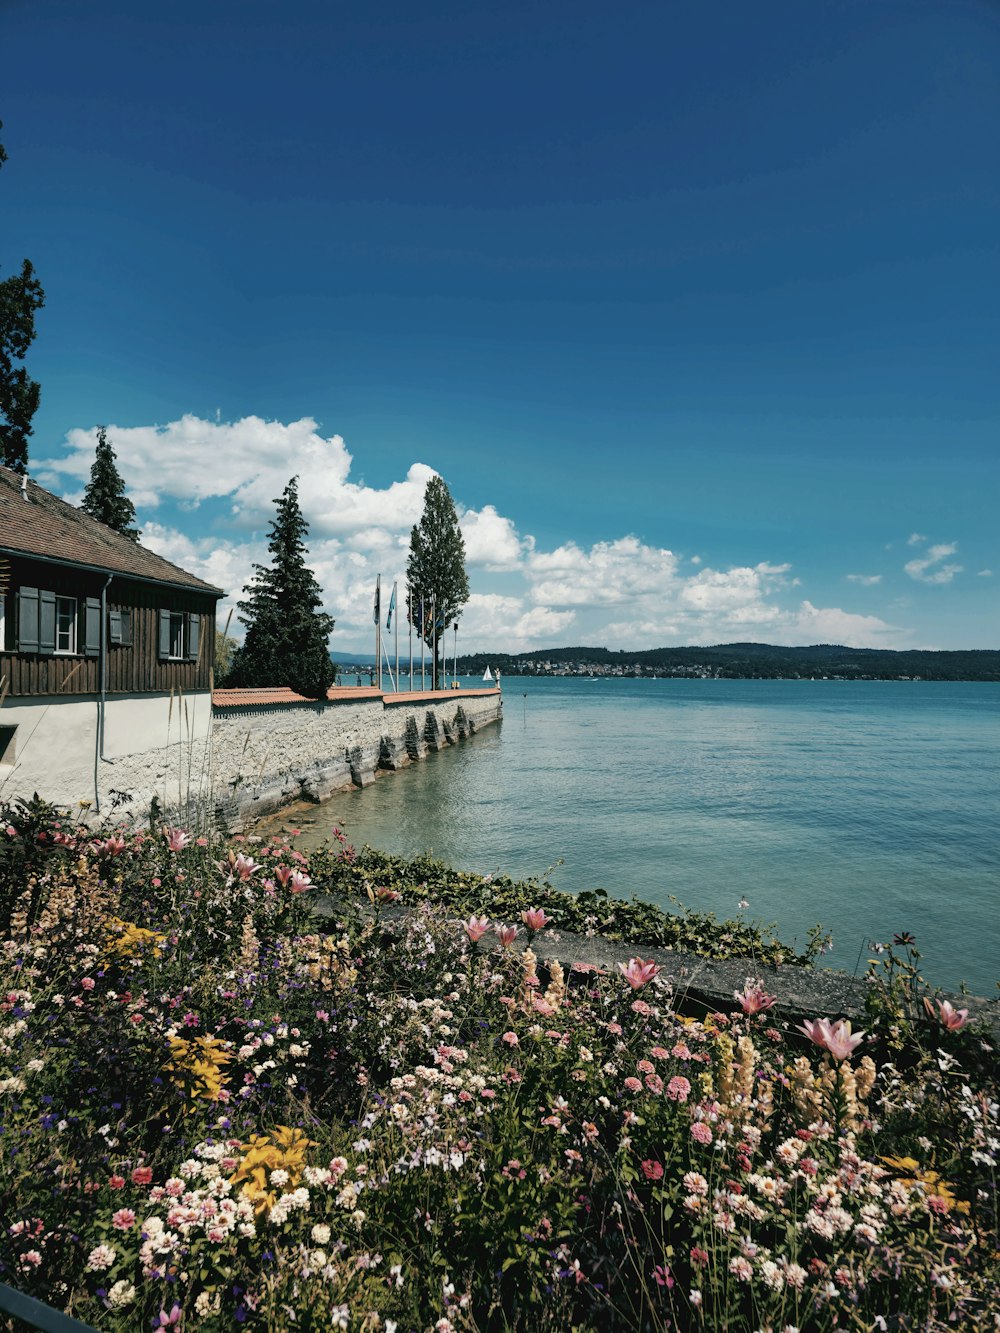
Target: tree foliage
[21,296]
[286,639]
[435,571]
[105,498]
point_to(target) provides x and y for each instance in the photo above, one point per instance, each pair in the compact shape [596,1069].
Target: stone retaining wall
[268,755]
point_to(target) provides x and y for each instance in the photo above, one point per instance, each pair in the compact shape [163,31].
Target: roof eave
[207,588]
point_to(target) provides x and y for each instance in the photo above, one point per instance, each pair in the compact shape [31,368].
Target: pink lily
[385,895]
[535,918]
[171,1320]
[283,874]
[244,866]
[947,1015]
[506,935]
[753,999]
[177,839]
[639,973]
[837,1038]
[299,882]
[476,927]
[112,846]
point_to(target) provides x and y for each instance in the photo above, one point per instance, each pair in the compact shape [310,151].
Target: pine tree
[435,571]
[286,639]
[21,296]
[105,498]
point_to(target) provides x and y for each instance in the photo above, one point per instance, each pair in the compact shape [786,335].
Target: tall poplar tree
[105,498]
[286,639]
[435,571]
[21,296]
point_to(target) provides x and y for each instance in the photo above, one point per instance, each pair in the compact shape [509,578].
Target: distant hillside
[747,661]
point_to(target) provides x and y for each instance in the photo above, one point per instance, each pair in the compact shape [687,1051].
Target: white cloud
[924,570]
[915,538]
[985,574]
[865,580]
[622,593]
[490,539]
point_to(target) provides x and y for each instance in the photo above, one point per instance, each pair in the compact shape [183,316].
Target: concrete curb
[802,992]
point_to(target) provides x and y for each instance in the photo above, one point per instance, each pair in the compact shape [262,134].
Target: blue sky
[693,305]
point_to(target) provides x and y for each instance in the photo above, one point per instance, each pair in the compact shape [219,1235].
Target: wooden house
[106,654]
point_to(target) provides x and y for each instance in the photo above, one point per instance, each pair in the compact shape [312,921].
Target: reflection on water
[871,806]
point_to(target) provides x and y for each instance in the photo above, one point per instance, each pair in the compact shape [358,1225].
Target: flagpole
[423,627]
[378,627]
[409,617]
[434,642]
[394,587]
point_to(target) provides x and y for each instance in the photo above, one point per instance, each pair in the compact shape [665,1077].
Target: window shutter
[116,631]
[27,620]
[193,636]
[46,621]
[164,634]
[92,626]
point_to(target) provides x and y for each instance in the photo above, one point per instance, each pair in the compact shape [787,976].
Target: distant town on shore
[731,661]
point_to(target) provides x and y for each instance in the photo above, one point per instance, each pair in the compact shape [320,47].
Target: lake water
[872,807]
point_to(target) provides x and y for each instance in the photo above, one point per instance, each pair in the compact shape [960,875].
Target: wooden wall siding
[133,669]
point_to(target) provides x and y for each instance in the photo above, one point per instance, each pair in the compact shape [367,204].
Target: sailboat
[488,676]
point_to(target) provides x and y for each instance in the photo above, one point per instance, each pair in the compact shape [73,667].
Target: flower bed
[215,1115]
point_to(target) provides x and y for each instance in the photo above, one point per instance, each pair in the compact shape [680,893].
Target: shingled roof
[42,525]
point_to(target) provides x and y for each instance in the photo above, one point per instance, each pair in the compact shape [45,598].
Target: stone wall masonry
[267,755]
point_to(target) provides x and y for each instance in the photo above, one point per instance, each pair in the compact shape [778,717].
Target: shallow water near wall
[871,807]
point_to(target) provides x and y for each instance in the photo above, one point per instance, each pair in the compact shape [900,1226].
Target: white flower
[101,1257]
[321,1234]
[122,1293]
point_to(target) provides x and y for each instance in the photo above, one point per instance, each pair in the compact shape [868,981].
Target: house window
[65,624]
[180,636]
[120,626]
[7,735]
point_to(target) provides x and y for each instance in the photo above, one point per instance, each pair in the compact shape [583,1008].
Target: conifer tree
[286,639]
[105,498]
[21,296]
[435,571]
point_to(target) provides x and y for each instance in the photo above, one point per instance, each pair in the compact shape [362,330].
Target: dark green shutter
[27,620]
[116,632]
[46,621]
[193,636]
[164,634]
[92,626]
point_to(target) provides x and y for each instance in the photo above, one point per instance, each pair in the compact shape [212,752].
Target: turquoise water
[871,807]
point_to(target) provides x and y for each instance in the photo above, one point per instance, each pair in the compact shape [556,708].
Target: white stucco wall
[153,745]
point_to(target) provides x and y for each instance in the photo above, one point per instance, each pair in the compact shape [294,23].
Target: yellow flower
[128,939]
[284,1149]
[196,1065]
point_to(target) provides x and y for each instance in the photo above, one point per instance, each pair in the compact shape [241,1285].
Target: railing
[36,1315]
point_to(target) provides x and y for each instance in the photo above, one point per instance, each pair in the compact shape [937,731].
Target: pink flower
[112,846]
[88,983]
[116,1182]
[654,1083]
[639,973]
[177,839]
[679,1089]
[947,1016]
[652,1170]
[298,883]
[388,895]
[535,918]
[510,1038]
[753,999]
[283,874]
[836,1038]
[124,1219]
[633,1084]
[171,1320]
[476,927]
[700,1132]
[143,1175]
[507,935]
[661,1272]
[244,867]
